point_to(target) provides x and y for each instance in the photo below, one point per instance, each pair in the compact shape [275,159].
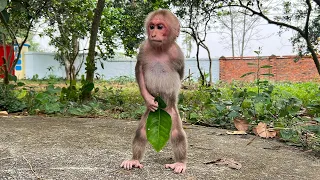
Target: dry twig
[31,168]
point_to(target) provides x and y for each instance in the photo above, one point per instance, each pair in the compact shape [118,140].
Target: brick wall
[283,68]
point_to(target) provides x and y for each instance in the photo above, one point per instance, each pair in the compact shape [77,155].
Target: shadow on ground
[73,148]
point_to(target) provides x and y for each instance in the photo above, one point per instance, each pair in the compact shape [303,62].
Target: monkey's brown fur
[159,71]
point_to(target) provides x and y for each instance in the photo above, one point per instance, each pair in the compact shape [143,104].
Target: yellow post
[20,71]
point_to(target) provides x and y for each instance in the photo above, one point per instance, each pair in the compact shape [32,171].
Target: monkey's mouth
[157,41]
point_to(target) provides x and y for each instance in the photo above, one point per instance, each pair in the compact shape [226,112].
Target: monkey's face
[158,31]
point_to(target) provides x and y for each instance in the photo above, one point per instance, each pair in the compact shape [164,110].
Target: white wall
[38,63]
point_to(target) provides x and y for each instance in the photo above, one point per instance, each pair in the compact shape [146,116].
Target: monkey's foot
[129,164]
[177,167]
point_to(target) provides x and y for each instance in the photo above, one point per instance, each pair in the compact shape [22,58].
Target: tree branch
[267,19]
[306,27]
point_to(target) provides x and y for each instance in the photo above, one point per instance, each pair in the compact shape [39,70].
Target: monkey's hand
[151,104]
[177,167]
[129,164]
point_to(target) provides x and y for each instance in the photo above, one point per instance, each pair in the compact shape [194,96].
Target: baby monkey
[159,71]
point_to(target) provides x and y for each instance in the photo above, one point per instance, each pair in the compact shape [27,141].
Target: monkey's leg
[138,145]
[178,142]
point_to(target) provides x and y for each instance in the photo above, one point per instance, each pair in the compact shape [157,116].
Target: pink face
[158,29]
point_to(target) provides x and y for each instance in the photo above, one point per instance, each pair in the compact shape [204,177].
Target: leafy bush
[10,98]
[46,102]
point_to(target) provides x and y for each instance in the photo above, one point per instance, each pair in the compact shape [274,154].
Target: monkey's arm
[148,98]
[179,58]
[181,68]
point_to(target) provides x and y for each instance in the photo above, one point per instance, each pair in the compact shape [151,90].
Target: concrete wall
[39,64]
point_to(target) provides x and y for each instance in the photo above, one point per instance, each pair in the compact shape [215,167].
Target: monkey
[159,71]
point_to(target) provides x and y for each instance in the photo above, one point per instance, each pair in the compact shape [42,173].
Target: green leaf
[289,135]
[76,111]
[266,66]
[22,94]
[158,128]
[5,16]
[267,74]
[312,128]
[3,4]
[246,74]
[52,108]
[87,87]
[90,15]
[13,78]
[317,119]
[251,64]
[246,104]
[161,102]
[233,114]
[20,84]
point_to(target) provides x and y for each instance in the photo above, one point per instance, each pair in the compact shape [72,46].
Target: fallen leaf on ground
[236,132]
[241,124]
[226,161]
[262,131]
[3,113]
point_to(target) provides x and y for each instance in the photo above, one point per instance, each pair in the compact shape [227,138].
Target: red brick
[284,68]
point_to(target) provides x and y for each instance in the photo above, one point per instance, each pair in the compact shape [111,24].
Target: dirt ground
[93,148]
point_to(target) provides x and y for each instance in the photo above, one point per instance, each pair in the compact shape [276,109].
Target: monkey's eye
[151,27]
[160,26]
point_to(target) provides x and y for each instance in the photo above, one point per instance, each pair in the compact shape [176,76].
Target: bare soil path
[88,148]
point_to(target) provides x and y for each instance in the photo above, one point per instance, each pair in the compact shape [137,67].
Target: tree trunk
[210,63]
[90,62]
[243,34]
[6,73]
[232,31]
[313,54]
[75,53]
[5,61]
[198,65]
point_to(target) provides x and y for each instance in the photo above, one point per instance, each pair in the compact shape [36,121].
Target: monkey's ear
[177,30]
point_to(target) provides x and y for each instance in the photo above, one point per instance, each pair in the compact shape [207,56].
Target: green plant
[75,93]
[35,77]
[46,102]
[11,98]
[91,108]
[256,105]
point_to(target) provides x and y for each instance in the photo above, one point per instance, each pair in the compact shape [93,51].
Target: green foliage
[83,110]
[313,35]
[122,80]
[274,104]
[46,102]
[74,93]
[287,107]
[158,126]
[11,99]
[17,18]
